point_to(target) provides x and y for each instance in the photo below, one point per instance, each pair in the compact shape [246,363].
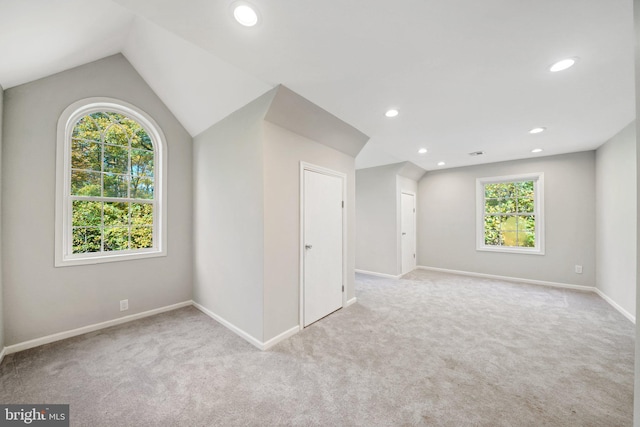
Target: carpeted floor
[430,349]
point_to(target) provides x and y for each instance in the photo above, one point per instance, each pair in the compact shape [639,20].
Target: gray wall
[40,299]
[283,152]
[229,218]
[377,219]
[447,217]
[378,216]
[616,218]
[1,285]
[246,216]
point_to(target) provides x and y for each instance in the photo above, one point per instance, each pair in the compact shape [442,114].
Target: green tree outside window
[509,214]
[112,184]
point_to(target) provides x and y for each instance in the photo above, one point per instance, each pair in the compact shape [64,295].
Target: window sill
[89,260]
[511,250]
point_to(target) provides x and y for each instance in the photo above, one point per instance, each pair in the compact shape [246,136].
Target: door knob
[308,246]
[404,234]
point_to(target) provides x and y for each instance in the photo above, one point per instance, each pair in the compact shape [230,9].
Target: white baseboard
[351,302]
[90,328]
[611,302]
[97,326]
[373,273]
[615,305]
[511,279]
[283,336]
[245,335]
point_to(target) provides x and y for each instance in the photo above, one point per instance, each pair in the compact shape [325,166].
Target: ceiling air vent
[476,153]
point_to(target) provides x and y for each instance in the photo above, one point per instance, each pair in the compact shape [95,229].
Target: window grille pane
[87,128]
[527,239]
[142,163]
[86,239]
[500,190]
[526,189]
[117,135]
[116,214]
[530,223]
[86,213]
[503,206]
[141,139]
[493,191]
[141,237]
[86,155]
[492,230]
[141,188]
[116,159]
[115,185]
[491,205]
[141,214]
[85,183]
[525,205]
[116,238]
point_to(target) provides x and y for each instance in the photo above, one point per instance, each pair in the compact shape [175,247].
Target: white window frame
[538,188]
[63,228]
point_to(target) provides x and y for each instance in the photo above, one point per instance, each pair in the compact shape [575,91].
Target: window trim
[66,123]
[538,182]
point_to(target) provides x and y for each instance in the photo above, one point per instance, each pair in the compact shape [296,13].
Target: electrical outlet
[578,269]
[124,305]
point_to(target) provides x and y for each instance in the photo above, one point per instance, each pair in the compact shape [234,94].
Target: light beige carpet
[430,349]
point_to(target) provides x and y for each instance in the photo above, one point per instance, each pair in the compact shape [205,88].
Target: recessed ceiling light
[537,130]
[562,65]
[441,163]
[245,14]
[537,150]
[392,113]
[422,151]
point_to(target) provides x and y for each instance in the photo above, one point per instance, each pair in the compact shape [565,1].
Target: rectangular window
[510,215]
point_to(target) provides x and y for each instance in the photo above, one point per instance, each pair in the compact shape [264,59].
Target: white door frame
[319,169]
[415,230]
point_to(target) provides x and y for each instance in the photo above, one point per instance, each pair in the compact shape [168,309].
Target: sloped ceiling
[291,111]
[199,88]
[466,75]
[42,37]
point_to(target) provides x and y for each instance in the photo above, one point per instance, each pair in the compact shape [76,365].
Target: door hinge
[342,288]
[414,210]
[414,256]
[343,203]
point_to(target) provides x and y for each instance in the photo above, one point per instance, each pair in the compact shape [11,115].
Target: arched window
[110,182]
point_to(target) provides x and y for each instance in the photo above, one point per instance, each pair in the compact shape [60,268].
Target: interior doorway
[408,231]
[322,242]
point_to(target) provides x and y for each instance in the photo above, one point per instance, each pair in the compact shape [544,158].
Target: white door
[408,229]
[322,240]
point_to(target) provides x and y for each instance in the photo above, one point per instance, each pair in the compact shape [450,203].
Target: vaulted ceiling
[465,75]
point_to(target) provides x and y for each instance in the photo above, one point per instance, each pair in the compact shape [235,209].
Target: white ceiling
[42,37]
[466,75]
